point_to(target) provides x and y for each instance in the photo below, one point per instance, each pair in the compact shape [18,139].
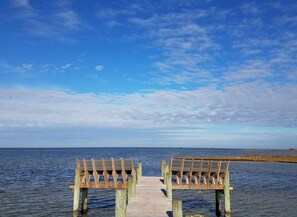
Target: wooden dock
[151,196]
[150,199]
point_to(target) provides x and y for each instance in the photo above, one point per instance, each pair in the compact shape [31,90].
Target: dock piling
[218,202]
[163,164]
[177,208]
[120,209]
[166,170]
[76,193]
[131,188]
[139,171]
[168,185]
[227,195]
[84,200]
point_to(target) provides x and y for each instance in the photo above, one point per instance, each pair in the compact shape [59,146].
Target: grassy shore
[288,158]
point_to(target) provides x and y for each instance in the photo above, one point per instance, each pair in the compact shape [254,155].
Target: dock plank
[150,199]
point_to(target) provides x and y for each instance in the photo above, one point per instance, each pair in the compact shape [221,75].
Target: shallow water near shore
[35,182]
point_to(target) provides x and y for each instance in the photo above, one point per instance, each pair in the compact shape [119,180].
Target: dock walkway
[150,199]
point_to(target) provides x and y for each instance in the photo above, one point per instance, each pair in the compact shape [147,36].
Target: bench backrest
[107,165]
[194,165]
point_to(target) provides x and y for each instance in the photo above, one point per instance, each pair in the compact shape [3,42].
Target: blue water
[34,182]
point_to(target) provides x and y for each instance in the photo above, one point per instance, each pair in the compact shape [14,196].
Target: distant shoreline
[270,150]
[288,158]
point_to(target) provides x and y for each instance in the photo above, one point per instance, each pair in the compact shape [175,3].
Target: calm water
[34,182]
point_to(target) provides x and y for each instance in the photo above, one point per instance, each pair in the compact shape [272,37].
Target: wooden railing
[105,173]
[193,173]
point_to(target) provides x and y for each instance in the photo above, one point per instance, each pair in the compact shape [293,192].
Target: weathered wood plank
[150,199]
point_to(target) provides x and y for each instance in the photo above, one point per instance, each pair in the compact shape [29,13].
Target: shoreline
[289,158]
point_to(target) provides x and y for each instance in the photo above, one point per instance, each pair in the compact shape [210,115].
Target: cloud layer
[247,104]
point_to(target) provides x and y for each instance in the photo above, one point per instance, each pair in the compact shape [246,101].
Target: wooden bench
[194,173]
[104,173]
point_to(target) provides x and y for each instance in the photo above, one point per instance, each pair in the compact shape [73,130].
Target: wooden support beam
[105,174]
[199,173]
[168,185]
[195,215]
[95,173]
[120,209]
[84,200]
[218,202]
[191,171]
[86,173]
[227,194]
[208,173]
[77,183]
[181,171]
[114,172]
[124,174]
[177,208]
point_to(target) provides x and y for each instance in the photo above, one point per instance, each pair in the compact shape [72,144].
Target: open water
[34,182]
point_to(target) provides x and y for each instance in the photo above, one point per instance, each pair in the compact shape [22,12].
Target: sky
[179,73]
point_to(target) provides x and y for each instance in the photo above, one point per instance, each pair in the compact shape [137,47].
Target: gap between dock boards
[150,199]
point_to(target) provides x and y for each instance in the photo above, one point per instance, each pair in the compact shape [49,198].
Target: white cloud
[66,66]
[183,44]
[21,3]
[114,17]
[250,7]
[22,70]
[248,104]
[251,70]
[29,70]
[70,20]
[191,40]
[99,67]
[58,23]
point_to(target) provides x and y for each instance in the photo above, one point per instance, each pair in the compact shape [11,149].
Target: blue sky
[148,73]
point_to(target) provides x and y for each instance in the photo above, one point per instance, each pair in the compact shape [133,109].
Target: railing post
[163,164]
[139,172]
[227,194]
[177,208]
[218,202]
[166,170]
[168,185]
[120,209]
[131,188]
[76,187]
[134,182]
[84,200]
